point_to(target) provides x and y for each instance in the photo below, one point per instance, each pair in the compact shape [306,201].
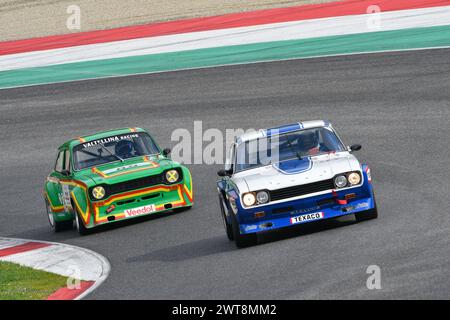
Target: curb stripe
[70,294]
[296,30]
[408,39]
[29,246]
[304,12]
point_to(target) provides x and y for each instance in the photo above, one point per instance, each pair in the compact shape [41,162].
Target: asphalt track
[397,105]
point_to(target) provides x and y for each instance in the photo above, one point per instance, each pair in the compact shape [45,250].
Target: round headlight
[98,192]
[172,176]
[262,197]
[354,178]
[340,181]
[249,199]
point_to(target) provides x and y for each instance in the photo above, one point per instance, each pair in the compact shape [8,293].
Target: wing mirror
[355,147]
[166,152]
[224,173]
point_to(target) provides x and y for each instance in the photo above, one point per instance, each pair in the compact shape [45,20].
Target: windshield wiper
[107,150]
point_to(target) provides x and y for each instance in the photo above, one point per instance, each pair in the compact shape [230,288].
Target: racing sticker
[139,211]
[307,217]
[66,197]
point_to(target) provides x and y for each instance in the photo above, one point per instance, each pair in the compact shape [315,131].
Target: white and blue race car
[289,175]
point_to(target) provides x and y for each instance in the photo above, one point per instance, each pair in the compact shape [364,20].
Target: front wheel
[57,226]
[228,228]
[81,228]
[182,209]
[242,240]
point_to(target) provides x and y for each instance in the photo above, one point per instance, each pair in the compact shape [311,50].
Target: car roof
[282,129]
[99,135]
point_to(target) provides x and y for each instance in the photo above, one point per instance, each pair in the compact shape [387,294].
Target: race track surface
[397,105]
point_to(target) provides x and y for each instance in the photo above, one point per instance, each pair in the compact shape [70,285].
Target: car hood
[297,172]
[130,169]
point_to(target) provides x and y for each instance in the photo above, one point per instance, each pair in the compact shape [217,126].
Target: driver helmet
[124,148]
[308,140]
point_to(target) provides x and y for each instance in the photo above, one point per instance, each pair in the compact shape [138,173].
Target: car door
[61,177]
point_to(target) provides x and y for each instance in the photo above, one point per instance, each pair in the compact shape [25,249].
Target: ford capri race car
[111,176]
[290,175]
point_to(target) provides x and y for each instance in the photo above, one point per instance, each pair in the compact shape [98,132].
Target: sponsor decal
[250,228]
[139,211]
[136,165]
[307,217]
[110,139]
[300,211]
[362,205]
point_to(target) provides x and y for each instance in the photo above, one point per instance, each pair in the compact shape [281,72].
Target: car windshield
[295,145]
[113,148]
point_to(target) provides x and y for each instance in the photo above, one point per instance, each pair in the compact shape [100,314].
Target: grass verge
[23,283]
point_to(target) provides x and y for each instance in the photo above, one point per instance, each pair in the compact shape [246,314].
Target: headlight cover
[98,192]
[262,197]
[172,176]
[248,199]
[340,181]
[354,178]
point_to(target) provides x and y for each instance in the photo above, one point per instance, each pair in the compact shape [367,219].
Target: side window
[67,161]
[230,158]
[59,162]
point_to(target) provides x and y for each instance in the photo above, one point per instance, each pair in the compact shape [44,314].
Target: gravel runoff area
[21,19]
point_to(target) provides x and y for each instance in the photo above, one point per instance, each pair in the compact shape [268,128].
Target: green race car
[111,176]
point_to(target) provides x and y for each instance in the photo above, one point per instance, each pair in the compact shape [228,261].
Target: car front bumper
[309,209]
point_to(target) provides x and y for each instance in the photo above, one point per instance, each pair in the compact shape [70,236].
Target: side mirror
[355,147]
[166,152]
[223,173]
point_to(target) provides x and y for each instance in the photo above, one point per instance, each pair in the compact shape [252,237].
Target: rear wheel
[57,226]
[228,228]
[242,240]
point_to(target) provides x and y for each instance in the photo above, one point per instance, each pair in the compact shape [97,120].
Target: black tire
[368,214]
[81,228]
[57,226]
[182,209]
[227,226]
[242,240]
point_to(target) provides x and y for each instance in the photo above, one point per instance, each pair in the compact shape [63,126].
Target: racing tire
[57,226]
[81,228]
[242,240]
[227,226]
[367,214]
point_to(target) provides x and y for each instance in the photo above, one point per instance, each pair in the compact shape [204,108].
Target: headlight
[172,176]
[354,178]
[262,197]
[340,181]
[98,192]
[249,199]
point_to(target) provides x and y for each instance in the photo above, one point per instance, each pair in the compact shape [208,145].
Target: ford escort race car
[112,176]
[290,175]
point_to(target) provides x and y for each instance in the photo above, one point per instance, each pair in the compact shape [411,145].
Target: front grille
[302,190]
[140,183]
[133,184]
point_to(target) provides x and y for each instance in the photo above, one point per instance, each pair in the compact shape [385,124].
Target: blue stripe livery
[294,166]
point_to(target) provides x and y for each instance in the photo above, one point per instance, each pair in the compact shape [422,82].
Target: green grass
[23,283]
